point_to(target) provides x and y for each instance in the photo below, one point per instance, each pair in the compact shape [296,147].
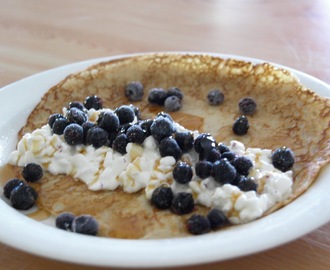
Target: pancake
[288,114]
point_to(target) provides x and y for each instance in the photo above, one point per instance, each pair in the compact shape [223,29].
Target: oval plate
[300,217]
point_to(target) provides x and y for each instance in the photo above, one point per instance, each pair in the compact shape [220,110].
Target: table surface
[40,35]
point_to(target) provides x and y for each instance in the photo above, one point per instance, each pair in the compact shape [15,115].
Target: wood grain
[39,35]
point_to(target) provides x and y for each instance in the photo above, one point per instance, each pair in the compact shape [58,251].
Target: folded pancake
[288,114]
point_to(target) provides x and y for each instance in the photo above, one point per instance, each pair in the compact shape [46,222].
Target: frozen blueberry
[283,159]
[169,147]
[223,172]
[85,224]
[198,224]
[59,125]
[53,117]
[125,114]
[165,115]
[247,105]
[109,121]
[75,115]
[243,165]
[23,197]
[185,140]
[64,221]
[97,137]
[217,218]
[76,104]
[120,143]
[182,173]
[73,134]
[32,172]
[211,154]
[93,102]
[161,128]
[157,96]
[134,91]
[135,134]
[223,148]
[172,104]
[203,168]
[183,203]
[215,97]
[241,125]
[175,91]
[10,185]
[86,127]
[162,197]
[247,184]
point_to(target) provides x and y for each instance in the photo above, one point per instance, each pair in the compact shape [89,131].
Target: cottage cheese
[143,168]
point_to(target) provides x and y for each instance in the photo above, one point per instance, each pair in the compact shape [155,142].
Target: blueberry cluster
[113,129]
[83,224]
[21,195]
[171,99]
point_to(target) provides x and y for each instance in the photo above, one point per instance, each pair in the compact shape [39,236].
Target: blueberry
[136,134]
[86,127]
[32,172]
[183,203]
[109,121]
[223,172]
[169,147]
[23,197]
[120,143]
[164,115]
[64,221]
[76,104]
[74,134]
[237,179]
[204,141]
[161,128]
[53,118]
[145,125]
[124,128]
[185,140]
[125,114]
[75,115]
[198,224]
[10,185]
[217,218]
[97,137]
[93,102]
[215,97]
[230,156]
[247,105]
[175,91]
[136,111]
[243,165]
[162,197]
[85,224]
[241,125]
[59,125]
[223,148]
[283,159]
[203,169]
[211,154]
[247,184]
[157,96]
[134,91]
[172,104]
[182,173]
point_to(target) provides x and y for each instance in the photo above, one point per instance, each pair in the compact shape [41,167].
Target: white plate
[308,212]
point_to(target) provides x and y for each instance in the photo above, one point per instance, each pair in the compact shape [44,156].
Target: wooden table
[39,35]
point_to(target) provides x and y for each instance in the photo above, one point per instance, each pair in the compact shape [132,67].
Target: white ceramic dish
[304,215]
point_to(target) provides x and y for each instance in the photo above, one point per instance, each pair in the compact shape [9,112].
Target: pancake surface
[288,115]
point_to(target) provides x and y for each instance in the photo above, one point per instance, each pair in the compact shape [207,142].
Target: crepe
[288,114]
